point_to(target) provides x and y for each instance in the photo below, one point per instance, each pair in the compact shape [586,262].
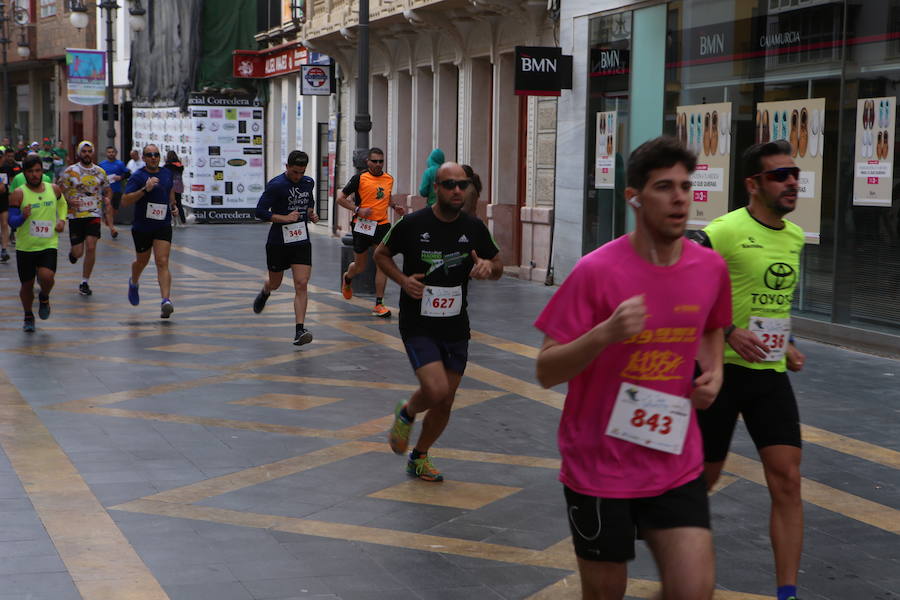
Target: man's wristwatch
[728,331]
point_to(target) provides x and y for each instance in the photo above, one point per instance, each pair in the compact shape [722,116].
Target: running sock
[415,454]
[787,591]
[299,327]
[84,281]
[379,300]
[42,298]
[405,415]
[347,280]
[29,316]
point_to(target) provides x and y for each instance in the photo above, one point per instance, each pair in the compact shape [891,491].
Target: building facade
[722,75]
[441,76]
[39,104]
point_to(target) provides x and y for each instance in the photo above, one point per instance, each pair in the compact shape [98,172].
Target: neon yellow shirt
[38,232]
[764,265]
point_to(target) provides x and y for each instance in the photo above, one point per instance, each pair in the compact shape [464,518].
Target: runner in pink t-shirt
[625,330]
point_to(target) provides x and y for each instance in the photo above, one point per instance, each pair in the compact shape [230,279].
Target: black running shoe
[4,255]
[28,327]
[303,337]
[260,302]
[44,310]
[72,258]
[84,289]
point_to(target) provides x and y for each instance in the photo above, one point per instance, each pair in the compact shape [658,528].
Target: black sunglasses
[449,184]
[379,161]
[781,174]
[151,154]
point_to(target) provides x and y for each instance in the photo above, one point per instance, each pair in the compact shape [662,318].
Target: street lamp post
[80,20]
[363,121]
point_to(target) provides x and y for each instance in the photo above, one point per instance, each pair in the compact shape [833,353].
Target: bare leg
[684,556]
[301,275]
[437,390]
[137,267]
[380,283]
[161,249]
[711,473]
[360,260]
[781,464]
[77,250]
[602,580]
[90,256]
[4,229]
[46,278]
[26,295]
[272,281]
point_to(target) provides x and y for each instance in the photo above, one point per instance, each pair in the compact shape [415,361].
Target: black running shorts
[79,229]
[143,240]
[764,398]
[362,242]
[280,257]
[604,529]
[28,263]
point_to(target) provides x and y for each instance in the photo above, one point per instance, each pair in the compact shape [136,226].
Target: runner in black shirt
[8,170]
[288,203]
[442,248]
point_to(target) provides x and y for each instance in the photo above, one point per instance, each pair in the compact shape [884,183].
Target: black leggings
[180,208]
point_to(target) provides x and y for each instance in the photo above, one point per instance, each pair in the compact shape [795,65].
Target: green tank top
[764,265]
[38,232]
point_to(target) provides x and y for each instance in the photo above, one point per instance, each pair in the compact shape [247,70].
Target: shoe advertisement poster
[605,152]
[802,124]
[874,156]
[705,129]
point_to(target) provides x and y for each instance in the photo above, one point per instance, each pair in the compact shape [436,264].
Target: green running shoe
[398,437]
[423,468]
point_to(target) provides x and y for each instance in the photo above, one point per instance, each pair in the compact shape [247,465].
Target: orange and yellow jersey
[372,192]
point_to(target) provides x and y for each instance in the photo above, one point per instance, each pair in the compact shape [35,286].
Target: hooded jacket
[426,188]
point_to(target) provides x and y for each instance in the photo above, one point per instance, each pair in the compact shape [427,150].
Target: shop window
[608,111]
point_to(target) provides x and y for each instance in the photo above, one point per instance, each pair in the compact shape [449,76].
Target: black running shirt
[442,251]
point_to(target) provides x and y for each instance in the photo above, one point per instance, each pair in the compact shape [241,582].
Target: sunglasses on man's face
[449,184]
[376,161]
[780,174]
[151,154]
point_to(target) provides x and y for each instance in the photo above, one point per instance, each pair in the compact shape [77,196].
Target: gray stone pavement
[206,457]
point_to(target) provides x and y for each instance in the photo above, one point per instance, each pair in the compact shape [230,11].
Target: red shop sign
[260,64]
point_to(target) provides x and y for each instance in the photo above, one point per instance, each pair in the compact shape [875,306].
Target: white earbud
[634,202]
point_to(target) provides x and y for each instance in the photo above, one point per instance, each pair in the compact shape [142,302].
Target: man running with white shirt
[86,188]
[624,330]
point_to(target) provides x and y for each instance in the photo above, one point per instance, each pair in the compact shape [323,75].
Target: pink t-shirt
[683,301]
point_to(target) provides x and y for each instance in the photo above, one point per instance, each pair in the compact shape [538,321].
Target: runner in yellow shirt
[38,209]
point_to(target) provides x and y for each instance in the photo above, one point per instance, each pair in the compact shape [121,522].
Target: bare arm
[558,363]
[709,355]
[346,201]
[132,197]
[412,284]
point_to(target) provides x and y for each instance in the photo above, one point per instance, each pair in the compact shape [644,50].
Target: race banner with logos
[220,143]
[706,130]
[85,76]
[802,123]
[605,151]
[873,179]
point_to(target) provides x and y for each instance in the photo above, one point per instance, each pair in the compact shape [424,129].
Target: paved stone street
[205,457]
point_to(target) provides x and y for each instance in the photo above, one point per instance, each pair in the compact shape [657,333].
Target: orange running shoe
[380,310]
[346,287]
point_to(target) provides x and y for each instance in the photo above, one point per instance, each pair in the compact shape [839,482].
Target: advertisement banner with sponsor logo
[85,76]
[706,130]
[873,179]
[220,142]
[802,123]
[605,152]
